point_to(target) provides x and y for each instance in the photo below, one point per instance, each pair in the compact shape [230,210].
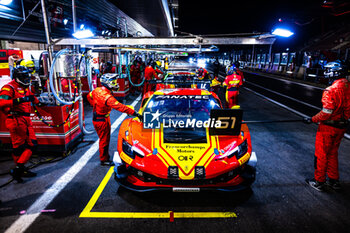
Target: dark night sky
[231,16]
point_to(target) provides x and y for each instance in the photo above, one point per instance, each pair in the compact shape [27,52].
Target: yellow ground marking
[86,213]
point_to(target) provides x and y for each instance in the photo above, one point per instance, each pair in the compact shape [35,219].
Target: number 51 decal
[231,121]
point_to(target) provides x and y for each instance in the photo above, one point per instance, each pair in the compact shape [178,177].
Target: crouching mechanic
[232,82]
[333,120]
[15,102]
[103,102]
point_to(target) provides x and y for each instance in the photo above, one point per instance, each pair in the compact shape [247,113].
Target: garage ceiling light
[5,2]
[282,32]
[82,34]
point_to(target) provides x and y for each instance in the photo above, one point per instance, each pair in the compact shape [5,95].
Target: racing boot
[17,172]
[107,163]
[319,186]
[334,184]
[27,173]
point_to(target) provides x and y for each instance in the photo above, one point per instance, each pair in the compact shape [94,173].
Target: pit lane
[279,200]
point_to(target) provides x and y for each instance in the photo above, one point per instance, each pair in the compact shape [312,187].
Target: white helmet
[110,81]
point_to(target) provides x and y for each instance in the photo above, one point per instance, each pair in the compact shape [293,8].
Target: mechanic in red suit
[202,73]
[15,102]
[151,73]
[333,120]
[103,102]
[232,82]
[135,73]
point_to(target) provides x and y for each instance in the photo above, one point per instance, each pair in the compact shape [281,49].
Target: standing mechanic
[103,102]
[15,102]
[232,82]
[333,119]
[202,74]
[216,67]
[135,73]
[151,73]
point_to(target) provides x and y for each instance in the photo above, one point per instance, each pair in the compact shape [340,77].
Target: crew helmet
[29,64]
[110,81]
[158,64]
[21,75]
[231,70]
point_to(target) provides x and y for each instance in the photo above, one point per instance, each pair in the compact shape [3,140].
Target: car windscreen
[182,107]
[188,109]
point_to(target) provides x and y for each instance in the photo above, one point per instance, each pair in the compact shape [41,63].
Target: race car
[181,159]
[182,79]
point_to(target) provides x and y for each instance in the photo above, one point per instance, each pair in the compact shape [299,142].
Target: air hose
[81,121]
[52,70]
[81,104]
[129,76]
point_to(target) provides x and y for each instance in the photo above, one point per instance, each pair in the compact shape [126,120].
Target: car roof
[182,91]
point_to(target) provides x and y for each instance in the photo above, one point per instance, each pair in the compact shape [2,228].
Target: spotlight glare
[82,34]
[282,32]
[5,2]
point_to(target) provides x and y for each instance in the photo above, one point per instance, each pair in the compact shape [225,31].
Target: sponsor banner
[221,121]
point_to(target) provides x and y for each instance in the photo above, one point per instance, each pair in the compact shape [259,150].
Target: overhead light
[282,32]
[65,21]
[103,32]
[82,34]
[5,2]
[82,26]
[5,8]
[109,33]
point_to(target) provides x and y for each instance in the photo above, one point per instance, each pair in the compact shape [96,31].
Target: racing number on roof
[226,122]
[231,121]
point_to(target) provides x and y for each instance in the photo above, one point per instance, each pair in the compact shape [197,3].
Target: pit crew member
[232,82]
[202,73]
[333,120]
[151,73]
[103,102]
[15,102]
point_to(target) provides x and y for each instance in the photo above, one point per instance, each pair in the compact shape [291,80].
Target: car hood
[161,153]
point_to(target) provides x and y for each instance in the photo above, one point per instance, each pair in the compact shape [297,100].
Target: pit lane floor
[279,200]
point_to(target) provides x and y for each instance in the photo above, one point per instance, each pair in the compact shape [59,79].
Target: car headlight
[131,151]
[238,151]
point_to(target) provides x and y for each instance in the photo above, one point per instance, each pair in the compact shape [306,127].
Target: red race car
[157,154]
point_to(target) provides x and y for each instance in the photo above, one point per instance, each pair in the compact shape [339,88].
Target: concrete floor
[279,200]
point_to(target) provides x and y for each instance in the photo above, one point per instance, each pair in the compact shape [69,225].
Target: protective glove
[29,98]
[307,120]
[136,114]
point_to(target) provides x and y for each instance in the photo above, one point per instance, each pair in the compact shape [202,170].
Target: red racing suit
[202,73]
[135,73]
[336,108]
[232,82]
[150,74]
[103,102]
[18,120]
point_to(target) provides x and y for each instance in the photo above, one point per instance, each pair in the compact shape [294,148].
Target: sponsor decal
[190,97]
[221,121]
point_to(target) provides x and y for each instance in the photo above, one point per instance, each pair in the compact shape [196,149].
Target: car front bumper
[242,180]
